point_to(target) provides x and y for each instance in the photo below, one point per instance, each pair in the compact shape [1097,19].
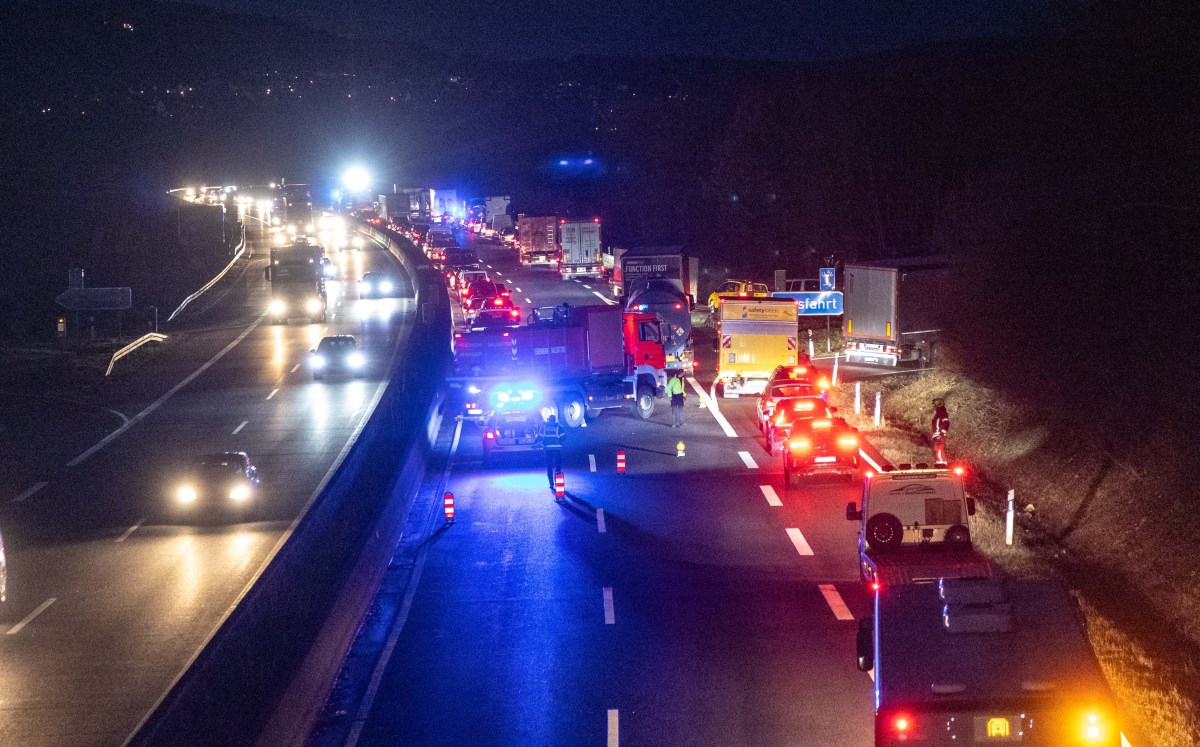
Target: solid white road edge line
[614,728]
[771,496]
[170,393]
[835,601]
[130,530]
[748,460]
[610,615]
[798,540]
[368,701]
[608,301]
[591,462]
[600,525]
[29,618]
[273,392]
[36,487]
[710,404]
[870,461]
[240,427]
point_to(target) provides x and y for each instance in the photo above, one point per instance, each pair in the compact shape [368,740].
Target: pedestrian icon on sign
[828,278]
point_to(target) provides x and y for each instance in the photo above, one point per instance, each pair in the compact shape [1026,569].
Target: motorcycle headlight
[313,305]
[277,307]
[356,360]
[239,493]
[186,494]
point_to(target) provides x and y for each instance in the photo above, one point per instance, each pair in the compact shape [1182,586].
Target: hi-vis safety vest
[675,386]
[553,436]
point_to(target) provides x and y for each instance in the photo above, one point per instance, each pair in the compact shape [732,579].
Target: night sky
[752,29]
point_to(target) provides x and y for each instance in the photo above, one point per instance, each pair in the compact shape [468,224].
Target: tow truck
[583,359]
[984,661]
[914,525]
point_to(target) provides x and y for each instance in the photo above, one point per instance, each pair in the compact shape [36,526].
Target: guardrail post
[878,408]
[811,350]
[1008,517]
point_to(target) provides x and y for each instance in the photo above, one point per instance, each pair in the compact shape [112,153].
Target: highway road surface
[110,595]
[695,600]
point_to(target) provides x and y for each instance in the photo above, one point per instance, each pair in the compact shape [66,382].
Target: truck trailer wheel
[884,532]
[592,413]
[571,410]
[643,403]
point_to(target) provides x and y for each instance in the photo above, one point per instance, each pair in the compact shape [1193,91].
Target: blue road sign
[815,303]
[828,278]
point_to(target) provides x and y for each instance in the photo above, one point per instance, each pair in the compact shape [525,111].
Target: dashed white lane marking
[488,266]
[520,291]
[130,531]
[603,298]
[771,496]
[614,728]
[870,461]
[528,300]
[241,425]
[610,616]
[295,368]
[600,521]
[591,462]
[798,540]
[748,460]
[835,601]
[170,393]
[36,487]
[273,392]
[499,274]
[29,618]
[871,673]
[585,285]
[710,404]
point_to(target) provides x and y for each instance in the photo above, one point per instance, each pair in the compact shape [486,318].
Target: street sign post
[815,303]
[828,277]
[96,299]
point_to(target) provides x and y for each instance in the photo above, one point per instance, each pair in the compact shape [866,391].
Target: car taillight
[516,314]
[902,726]
[498,302]
[959,470]
[490,435]
[848,442]
[800,444]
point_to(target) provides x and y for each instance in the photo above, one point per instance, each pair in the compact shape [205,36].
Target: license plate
[824,460]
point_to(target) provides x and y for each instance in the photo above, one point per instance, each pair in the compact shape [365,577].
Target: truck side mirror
[970,506]
[864,645]
[852,512]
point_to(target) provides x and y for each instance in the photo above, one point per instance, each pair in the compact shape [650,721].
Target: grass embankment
[1119,528]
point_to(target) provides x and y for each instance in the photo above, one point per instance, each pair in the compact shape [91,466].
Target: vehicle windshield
[218,467]
[334,345]
[790,390]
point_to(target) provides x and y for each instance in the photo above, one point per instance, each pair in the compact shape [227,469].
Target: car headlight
[357,242]
[279,239]
[364,287]
[385,287]
[356,360]
[277,307]
[313,305]
[473,389]
[318,361]
[308,228]
[186,494]
[275,220]
[239,493]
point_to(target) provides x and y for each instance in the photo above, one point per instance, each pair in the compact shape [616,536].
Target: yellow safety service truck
[754,335]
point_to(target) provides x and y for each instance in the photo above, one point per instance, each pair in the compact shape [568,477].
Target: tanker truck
[662,281]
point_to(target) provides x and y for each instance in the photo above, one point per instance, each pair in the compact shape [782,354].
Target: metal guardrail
[151,337]
[240,249]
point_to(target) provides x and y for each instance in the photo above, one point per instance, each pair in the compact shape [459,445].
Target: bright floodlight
[356,180]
